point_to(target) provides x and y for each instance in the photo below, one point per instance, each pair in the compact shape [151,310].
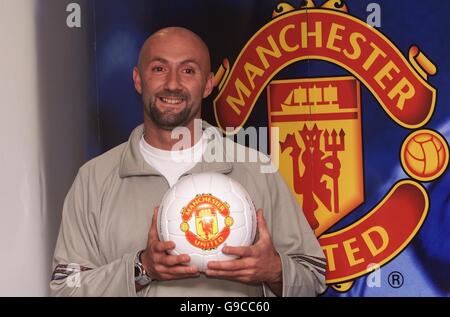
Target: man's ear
[137,80]
[209,85]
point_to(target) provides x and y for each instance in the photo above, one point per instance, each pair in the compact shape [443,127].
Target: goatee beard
[167,120]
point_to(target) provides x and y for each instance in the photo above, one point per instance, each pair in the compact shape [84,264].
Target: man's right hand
[159,264]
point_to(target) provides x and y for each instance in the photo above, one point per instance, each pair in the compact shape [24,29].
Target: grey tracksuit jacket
[107,215]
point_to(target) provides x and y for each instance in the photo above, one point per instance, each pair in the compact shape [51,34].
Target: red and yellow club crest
[321,149]
[205,210]
[320,146]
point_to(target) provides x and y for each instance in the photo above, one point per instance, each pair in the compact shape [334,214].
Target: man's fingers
[179,270]
[232,265]
[169,277]
[262,225]
[163,246]
[172,260]
[239,251]
[183,270]
[153,233]
[228,274]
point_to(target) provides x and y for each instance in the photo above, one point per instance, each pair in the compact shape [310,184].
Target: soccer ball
[424,155]
[204,212]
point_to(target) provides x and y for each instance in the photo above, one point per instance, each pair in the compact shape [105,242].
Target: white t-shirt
[172,164]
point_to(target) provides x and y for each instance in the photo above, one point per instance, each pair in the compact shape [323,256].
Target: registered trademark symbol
[395,279]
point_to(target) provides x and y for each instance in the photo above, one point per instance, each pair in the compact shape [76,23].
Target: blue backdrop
[226,26]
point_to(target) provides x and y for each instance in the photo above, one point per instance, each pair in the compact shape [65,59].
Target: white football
[204,212]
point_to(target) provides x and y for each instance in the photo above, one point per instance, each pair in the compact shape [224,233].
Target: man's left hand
[259,263]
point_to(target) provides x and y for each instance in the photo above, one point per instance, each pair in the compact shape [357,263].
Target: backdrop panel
[376,98]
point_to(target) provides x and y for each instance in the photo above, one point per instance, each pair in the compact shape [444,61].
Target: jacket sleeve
[302,258]
[78,266]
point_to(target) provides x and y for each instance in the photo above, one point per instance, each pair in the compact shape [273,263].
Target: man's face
[173,77]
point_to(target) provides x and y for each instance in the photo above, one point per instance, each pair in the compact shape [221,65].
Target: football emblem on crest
[204,212]
[424,155]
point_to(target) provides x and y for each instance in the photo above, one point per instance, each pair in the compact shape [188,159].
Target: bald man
[173,76]
[108,243]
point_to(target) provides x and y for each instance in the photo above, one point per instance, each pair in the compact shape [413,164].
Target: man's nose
[173,80]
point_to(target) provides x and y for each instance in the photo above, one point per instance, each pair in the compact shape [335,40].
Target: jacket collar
[132,162]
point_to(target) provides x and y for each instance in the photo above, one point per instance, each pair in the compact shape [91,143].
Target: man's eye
[189,71]
[157,69]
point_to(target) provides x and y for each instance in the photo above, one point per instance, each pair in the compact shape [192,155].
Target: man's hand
[159,264]
[259,263]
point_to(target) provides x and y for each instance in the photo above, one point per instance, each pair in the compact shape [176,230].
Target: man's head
[173,76]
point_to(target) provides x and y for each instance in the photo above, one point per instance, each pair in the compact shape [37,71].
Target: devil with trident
[316,165]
